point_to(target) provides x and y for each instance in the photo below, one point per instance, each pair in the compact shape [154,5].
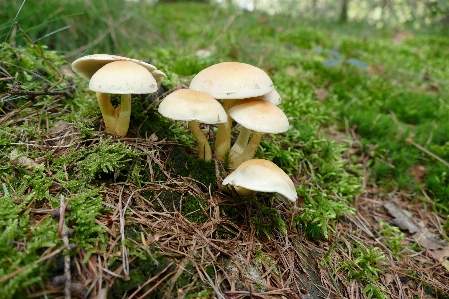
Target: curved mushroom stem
[124,114]
[249,152]
[240,144]
[223,137]
[204,151]
[107,111]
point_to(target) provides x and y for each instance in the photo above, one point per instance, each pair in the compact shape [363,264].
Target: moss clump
[185,165]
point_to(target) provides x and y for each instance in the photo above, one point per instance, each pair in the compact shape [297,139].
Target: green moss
[186,165]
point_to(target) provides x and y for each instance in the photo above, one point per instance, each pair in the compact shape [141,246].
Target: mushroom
[110,74]
[230,81]
[261,175]
[244,134]
[194,106]
[259,116]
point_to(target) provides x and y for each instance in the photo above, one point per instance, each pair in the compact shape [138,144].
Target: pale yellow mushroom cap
[88,65]
[123,77]
[232,80]
[159,75]
[272,97]
[259,115]
[187,104]
[263,176]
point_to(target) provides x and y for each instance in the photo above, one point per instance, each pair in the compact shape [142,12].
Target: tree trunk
[344,11]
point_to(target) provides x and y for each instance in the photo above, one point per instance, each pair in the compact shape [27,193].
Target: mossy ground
[146,202]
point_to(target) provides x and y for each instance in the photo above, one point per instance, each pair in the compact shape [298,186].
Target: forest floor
[97,215]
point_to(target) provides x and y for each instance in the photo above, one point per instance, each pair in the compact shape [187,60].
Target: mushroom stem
[107,111]
[124,114]
[204,151]
[240,144]
[223,137]
[249,152]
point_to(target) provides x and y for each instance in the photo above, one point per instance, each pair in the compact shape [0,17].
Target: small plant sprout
[109,74]
[194,106]
[260,117]
[229,82]
[263,176]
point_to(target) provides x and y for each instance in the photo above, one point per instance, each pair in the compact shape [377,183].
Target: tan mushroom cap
[261,175]
[232,80]
[187,104]
[158,75]
[88,65]
[259,115]
[123,77]
[272,97]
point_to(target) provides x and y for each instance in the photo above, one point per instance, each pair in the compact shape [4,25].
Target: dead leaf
[401,36]
[321,93]
[376,69]
[418,172]
[291,71]
[22,160]
[437,248]
[57,128]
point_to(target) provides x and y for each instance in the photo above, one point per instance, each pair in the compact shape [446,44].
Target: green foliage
[32,65]
[266,219]
[319,213]
[375,291]
[106,157]
[364,263]
[392,237]
[21,243]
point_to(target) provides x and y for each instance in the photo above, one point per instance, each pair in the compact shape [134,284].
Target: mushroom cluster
[247,96]
[111,74]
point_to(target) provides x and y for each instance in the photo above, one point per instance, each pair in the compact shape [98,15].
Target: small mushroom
[260,117]
[261,175]
[110,74]
[194,106]
[230,81]
[244,134]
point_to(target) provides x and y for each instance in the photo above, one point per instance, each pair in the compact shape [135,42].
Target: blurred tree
[173,1]
[344,11]
[440,9]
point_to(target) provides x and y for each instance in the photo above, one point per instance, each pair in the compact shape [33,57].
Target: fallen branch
[63,229]
[410,140]
[16,89]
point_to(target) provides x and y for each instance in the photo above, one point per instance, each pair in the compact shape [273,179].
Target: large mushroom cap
[88,65]
[232,80]
[123,77]
[187,104]
[259,115]
[261,175]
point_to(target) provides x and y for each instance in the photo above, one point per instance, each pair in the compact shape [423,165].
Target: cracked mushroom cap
[263,176]
[88,65]
[259,115]
[232,80]
[187,104]
[123,77]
